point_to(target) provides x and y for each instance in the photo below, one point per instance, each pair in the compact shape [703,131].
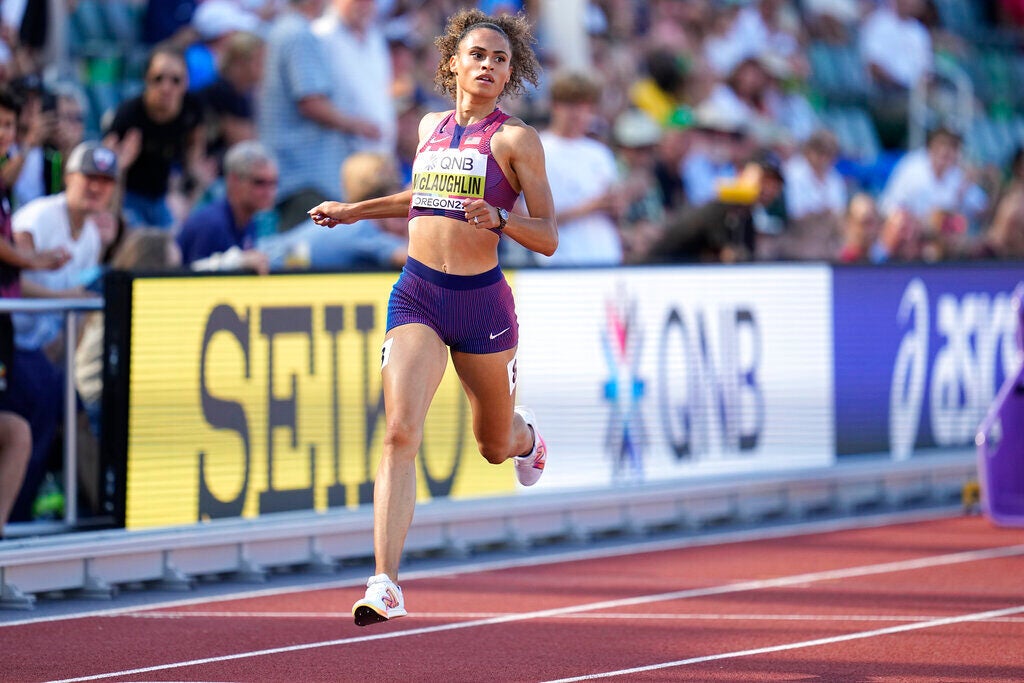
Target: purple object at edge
[1000,441]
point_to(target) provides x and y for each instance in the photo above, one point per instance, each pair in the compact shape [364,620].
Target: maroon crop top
[456,164]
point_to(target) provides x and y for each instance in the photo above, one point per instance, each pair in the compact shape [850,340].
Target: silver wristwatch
[502,218]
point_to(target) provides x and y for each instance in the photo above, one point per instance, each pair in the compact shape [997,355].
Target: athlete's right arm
[342,213]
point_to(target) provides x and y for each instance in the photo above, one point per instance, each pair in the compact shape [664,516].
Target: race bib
[444,179]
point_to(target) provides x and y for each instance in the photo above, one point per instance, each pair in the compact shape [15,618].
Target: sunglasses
[263,182]
[157,79]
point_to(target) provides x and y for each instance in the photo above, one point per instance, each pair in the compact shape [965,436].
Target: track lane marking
[632,548]
[934,623]
[682,616]
[737,587]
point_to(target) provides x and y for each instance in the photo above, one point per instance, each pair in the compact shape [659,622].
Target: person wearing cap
[636,137]
[215,21]
[60,221]
[726,229]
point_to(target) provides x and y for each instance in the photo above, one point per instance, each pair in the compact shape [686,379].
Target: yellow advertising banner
[250,395]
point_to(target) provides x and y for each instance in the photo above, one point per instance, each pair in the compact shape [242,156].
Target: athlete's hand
[330,214]
[480,214]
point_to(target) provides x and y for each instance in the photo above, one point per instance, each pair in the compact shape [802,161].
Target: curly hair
[516,29]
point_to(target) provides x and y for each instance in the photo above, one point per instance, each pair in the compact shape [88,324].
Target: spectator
[583,177]
[25,99]
[172,141]
[896,23]
[360,62]
[931,179]
[774,30]
[661,91]
[15,449]
[215,21]
[815,201]
[669,156]
[726,229]
[58,222]
[741,96]
[226,227]
[727,43]
[380,243]
[230,115]
[1004,238]
[637,137]
[13,260]
[717,147]
[295,113]
[861,228]
[64,112]
[894,72]
[831,21]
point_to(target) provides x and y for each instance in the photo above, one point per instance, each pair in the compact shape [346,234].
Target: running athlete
[472,164]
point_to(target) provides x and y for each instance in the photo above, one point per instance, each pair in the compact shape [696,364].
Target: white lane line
[761,534]
[737,587]
[934,623]
[900,618]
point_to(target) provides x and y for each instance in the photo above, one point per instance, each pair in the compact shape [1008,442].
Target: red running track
[937,600]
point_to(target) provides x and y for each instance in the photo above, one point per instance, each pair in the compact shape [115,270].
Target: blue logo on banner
[919,354]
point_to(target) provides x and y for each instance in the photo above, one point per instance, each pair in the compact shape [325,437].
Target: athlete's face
[482,64]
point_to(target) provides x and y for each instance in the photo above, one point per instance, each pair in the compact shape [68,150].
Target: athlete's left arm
[538,231]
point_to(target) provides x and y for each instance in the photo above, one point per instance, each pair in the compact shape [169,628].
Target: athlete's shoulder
[431,120]
[517,130]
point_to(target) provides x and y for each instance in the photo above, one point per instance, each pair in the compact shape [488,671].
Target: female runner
[473,163]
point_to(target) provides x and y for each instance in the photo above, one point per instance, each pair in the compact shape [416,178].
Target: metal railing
[70,308]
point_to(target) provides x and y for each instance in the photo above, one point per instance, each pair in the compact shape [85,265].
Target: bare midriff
[452,246]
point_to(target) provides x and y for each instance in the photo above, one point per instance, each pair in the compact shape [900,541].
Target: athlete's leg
[413,364]
[489,382]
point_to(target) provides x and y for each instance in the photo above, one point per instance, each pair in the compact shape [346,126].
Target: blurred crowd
[702,131]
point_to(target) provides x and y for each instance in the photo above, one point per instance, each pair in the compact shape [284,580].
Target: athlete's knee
[494,451]
[402,435]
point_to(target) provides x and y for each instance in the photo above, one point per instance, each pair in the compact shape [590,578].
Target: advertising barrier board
[643,374]
[920,353]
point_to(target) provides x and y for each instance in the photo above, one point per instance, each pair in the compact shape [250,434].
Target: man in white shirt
[583,176]
[60,221]
[896,50]
[932,179]
[815,200]
[895,46]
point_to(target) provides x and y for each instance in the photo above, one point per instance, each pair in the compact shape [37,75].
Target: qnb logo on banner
[682,380]
[951,362]
[710,398]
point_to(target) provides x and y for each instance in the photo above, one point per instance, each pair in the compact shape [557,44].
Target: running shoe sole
[365,615]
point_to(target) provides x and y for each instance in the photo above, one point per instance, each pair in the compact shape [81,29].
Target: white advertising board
[646,374]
